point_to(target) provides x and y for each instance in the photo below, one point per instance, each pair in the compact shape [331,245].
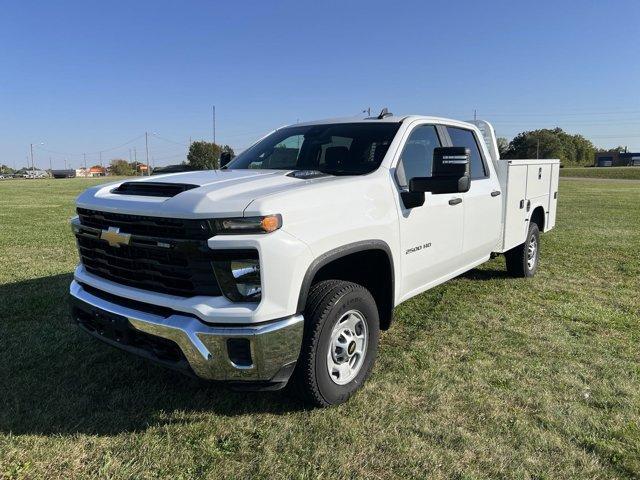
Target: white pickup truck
[283,266]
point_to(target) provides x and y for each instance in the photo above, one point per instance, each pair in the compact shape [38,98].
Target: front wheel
[522,261]
[340,342]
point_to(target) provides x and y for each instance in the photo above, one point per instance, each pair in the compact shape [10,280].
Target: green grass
[628,173]
[483,377]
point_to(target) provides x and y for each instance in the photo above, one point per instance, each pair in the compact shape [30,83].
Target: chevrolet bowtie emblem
[114,237]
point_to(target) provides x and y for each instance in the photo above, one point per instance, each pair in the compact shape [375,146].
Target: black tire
[518,258]
[328,302]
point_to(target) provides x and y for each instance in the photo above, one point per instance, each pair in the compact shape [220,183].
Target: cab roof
[388,119]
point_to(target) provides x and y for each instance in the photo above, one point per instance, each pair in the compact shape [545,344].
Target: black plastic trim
[340,252]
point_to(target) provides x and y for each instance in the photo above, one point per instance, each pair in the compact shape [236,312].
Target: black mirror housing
[450,161]
[225,158]
[449,172]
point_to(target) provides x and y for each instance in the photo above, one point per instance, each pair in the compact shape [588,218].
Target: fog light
[238,274]
[239,350]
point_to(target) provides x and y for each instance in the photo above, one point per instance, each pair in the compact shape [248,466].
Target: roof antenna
[384,113]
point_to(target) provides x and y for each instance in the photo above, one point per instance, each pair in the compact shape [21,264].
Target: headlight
[266,224]
[238,274]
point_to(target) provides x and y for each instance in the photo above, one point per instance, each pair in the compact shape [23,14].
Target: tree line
[572,150]
[201,156]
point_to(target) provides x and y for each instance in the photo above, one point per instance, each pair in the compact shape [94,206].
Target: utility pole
[65,163]
[214,124]
[129,155]
[84,156]
[50,167]
[32,164]
[475,114]
[146,146]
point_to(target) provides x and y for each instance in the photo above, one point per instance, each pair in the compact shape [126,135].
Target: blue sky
[89,76]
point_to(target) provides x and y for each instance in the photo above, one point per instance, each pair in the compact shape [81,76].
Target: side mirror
[449,173]
[225,158]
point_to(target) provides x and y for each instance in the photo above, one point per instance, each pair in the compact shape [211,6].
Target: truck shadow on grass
[58,380]
[486,274]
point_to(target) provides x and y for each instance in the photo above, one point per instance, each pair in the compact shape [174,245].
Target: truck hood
[219,193]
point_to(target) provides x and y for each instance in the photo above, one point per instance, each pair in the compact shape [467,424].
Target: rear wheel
[522,261]
[339,344]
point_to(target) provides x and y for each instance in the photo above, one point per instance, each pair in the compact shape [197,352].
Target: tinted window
[338,149]
[465,138]
[417,155]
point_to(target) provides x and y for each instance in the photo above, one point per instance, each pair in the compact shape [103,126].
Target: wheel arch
[538,217]
[355,262]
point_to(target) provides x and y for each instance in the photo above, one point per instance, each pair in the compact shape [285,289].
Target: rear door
[482,203]
[430,235]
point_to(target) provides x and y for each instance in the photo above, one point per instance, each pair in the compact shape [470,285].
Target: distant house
[34,173]
[630,159]
[69,173]
[617,159]
[91,172]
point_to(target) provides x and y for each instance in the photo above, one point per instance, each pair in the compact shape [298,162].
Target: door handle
[455,201]
[495,193]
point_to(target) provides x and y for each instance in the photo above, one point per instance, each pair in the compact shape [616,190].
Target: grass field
[628,173]
[482,377]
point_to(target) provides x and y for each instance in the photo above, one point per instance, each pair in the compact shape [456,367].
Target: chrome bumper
[274,346]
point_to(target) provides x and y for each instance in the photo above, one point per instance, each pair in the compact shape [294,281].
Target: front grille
[148,226]
[162,263]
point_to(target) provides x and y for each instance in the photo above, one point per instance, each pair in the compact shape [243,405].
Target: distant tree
[552,143]
[503,145]
[204,155]
[227,148]
[619,149]
[6,170]
[121,167]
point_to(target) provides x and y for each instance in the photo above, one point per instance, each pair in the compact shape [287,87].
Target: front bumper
[202,349]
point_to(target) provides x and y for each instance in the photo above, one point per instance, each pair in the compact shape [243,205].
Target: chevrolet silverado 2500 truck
[283,266]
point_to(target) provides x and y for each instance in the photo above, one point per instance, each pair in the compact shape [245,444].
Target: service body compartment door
[538,180]
[515,206]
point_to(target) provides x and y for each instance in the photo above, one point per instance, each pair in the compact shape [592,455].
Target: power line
[557,114]
[169,140]
[104,150]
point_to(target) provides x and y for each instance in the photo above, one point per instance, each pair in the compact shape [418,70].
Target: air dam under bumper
[274,346]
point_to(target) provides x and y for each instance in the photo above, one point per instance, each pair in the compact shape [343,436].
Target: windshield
[337,149]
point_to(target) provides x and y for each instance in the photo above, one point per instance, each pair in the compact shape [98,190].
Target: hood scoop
[152,189]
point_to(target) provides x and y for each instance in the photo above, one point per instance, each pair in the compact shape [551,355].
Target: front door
[430,235]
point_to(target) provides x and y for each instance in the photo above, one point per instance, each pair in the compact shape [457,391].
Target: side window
[417,155]
[465,138]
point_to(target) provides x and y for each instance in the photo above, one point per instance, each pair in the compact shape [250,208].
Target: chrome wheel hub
[347,347]
[532,252]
